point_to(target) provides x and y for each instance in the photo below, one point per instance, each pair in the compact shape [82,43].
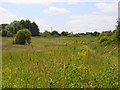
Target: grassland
[63,62]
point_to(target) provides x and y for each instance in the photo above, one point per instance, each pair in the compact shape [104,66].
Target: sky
[75,16]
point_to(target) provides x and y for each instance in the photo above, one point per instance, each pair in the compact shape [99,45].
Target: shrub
[101,35]
[23,37]
[105,40]
[102,39]
[116,36]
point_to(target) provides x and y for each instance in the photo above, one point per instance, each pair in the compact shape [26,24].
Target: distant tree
[82,34]
[23,37]
[18,25]
[13,27]
[2,26]
[31,26]
[63,33]
[34,29]
[46,33]
[4,32]
[88,33]
[55,33]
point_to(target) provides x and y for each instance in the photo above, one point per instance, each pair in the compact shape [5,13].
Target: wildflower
[81,54]
[85,52]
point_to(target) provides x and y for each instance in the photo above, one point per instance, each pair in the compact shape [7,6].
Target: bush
[105,40]
[101,35]
[23,37]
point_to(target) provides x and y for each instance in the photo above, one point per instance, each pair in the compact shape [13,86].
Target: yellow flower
[85,52]
[81,54]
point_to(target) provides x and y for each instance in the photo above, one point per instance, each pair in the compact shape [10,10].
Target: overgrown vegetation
[63,62]
[23,37]
[109,37]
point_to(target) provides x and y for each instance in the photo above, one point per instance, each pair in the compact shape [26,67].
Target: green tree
[18,25]
[46,33]
[23,37]
[2,26]
[31,26]
[55,33]
[63,33]
[4,32]
[13,27]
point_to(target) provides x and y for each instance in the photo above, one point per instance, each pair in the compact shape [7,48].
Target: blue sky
[69,15]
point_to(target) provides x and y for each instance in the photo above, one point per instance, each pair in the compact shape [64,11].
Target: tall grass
[59,63]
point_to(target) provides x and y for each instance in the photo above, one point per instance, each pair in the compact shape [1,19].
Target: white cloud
[56,10]
[7,17]
[42,24]
[85,23]
[47,2]
[107,7]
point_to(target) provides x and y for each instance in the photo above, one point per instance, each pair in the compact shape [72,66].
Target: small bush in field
[23,37]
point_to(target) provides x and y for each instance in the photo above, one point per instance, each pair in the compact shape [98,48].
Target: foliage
[9,34]
[4,33]
[2,26]
[31,26]
[55,33]
[46,34]
[13,27]
[63,33]
[23,37]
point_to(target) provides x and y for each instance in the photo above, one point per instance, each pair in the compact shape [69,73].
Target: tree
[13,27]
[23,37]
[46,33]
[55,33]
[31,26]
[4,33]
[23,24]
[63,33]
[2,26]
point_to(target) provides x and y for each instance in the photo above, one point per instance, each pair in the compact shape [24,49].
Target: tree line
[11,29]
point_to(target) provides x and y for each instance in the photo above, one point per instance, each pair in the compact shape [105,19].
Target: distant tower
[51,28]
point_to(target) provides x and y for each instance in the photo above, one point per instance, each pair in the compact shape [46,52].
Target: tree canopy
[15,26]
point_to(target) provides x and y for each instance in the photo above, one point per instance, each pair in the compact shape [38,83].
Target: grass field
[62,62]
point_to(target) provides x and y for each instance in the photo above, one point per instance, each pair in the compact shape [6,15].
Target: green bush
[116,36]
[105,40]
[101,35]
[23,37]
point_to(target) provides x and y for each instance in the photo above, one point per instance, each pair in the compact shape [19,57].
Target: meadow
[59,62]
